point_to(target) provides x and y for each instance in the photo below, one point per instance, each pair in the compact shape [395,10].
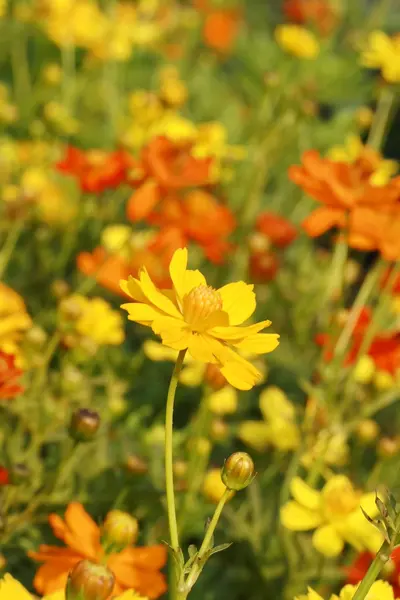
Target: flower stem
[169,475]
[379,126]
[375,568]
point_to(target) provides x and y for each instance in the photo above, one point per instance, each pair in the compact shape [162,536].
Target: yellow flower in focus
[311,595]
[335,515]
[11,589]
[297,40]
[96,320]
[14,320]
[353,149]
[383,52]
[194,316]
[279,428]
[380,590]
[213,486]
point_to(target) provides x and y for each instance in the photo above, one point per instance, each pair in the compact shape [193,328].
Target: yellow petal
[254,434]
[240,373]
[236,334]
[304,494]
[327,541]
[223,402]
[156,297]
[274,404]
[218,318]
[132,288]
[284,434]
[174,333]
[157,352]
[60,595]
[368,503]
[298,518]
[177,271]
[239,301]
[193,374]
[193,279]
[11,589]
[206,348]
[141,313]
[260,343]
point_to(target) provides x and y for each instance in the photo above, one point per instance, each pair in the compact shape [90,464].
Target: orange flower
[319,12]
[341,188]
[9,375]
[376,230]
[165,166]
[96,170]
[197,217]
[134,568]
[221,26]
[279,231]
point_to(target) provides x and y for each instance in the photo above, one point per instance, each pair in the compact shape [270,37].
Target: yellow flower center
[199,304]
[340,500]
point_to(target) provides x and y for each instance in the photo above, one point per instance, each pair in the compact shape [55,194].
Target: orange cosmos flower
[341,188]
[96,170]
[198,217]
[221,25]
[319,12]
[165,166]
[372,229]
[134,568]
[9,375]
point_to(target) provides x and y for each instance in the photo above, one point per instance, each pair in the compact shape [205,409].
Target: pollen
[199,304]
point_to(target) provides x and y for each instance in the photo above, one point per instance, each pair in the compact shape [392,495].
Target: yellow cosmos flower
[14,320]
[279,428]
[379,589]
[383,52]
[353,149]
[11,589]
[297,40]
[195,317]
[335,515]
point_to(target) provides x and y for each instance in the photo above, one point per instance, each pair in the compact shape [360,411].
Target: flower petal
[260,343]
[157,352]
[239,301]
[174,333]
[223,402]
[141,313]
[206,348]
[177,271]
[304,494]
[132,288]
[193,374]
[193,279]
[156,297]
[240,373]
[254,434]
[236,334]
[298,518]
[327,541]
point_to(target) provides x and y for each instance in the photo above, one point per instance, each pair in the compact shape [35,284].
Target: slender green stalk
[379,125]
[375,568]
[10,243]
[169,474]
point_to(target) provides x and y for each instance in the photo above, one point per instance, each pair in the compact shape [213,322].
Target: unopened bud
[60,288]
[120,528]
[89,581]
[238,471]
[214,378]
[36,336]
[200,445]
[367,430]
[219,430]
[180,468]
[136,465]
[388,447]
[84,424]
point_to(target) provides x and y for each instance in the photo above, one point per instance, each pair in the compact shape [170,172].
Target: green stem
[169,473]
[375,568]
[379,125]
[9,244]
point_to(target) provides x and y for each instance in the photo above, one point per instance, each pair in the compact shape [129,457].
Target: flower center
[199,304]
[341,501]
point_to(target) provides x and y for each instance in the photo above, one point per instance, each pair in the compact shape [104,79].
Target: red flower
[96,170]
[359,568]
[263,266]
[279,230]
[9,375]
[4,476]
[165,166]
[319,12]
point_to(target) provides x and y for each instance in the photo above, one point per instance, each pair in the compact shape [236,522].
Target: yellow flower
[11,589]
[172,89]
[353,149]
[297,40]
[95,320]
[14,320]
[381,590]
[195,317]
[364,370]
[383,52]
[213,486]
[331,447]
[279,427]
[334,513]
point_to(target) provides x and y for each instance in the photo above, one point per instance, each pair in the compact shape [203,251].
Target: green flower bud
[238,471]
[89,581]
[120,529]
[84,425]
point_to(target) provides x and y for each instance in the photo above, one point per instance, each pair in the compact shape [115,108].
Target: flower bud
[214,378]
[89,581]
[60,288]
[180,468]
[136,465]
[238,471]
[84,424]
[219,430]
[367,430]
[120,528]
[200,445]
[36,336]
[388,447]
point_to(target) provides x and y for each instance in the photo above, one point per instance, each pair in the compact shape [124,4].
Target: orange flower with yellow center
[194,316]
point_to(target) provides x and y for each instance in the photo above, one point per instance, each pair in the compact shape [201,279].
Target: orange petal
[84,534]
[143,201]
[323,219]
[52,576]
